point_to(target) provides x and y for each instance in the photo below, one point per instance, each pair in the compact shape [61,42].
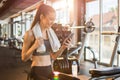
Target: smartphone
[69,36]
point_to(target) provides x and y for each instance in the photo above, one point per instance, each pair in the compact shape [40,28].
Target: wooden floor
[16,72]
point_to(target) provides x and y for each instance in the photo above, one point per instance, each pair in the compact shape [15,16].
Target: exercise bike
[111,73]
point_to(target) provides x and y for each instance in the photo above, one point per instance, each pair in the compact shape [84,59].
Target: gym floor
[16,72]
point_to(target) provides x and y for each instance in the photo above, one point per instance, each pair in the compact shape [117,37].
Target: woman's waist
[40,53]
[43,60]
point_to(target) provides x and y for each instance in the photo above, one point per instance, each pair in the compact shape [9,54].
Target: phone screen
[69,36]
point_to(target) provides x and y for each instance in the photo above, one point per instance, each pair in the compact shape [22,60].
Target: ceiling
[89,0]
[10,7]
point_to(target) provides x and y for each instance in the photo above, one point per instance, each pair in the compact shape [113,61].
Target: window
[105,22]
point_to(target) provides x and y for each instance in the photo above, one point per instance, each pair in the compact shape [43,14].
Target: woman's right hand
[38,42]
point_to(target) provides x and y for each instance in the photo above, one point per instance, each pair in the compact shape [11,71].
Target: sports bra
[48,49]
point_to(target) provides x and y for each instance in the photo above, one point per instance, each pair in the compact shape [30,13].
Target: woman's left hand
[67,43]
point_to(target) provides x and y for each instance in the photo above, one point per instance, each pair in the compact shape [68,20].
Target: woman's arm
[27,48]
[58,53]
[65,45]
[30,45]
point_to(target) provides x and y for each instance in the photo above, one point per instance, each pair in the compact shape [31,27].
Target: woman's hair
[44,10]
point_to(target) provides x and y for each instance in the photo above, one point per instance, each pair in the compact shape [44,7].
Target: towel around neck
[54,42]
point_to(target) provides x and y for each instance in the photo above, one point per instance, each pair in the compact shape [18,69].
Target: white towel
[54,42]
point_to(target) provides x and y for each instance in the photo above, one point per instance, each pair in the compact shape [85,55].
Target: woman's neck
[43,28]
[44,31]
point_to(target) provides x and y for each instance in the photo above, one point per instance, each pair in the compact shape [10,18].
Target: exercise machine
[63,63]
[111,72]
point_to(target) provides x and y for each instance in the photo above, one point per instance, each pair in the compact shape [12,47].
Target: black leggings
[42,73]
[45,73]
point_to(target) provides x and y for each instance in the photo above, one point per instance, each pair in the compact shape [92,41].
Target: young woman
[41,43]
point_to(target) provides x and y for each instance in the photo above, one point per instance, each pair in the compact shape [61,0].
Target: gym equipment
[117,42]
[64,63]
[94,57]
[118,51]
[63,76]
[105,73]
[110,72]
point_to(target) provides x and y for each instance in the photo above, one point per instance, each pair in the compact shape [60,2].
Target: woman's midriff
[43,60]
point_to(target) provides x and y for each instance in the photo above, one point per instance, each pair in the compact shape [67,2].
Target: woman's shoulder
[29,34]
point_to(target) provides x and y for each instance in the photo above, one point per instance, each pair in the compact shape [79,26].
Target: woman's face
[48,20]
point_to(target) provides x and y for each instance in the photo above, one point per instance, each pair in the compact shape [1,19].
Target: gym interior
[95,44]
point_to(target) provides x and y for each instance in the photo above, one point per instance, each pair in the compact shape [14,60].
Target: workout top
[48,49]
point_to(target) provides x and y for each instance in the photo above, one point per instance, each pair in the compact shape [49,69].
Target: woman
[41,43]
